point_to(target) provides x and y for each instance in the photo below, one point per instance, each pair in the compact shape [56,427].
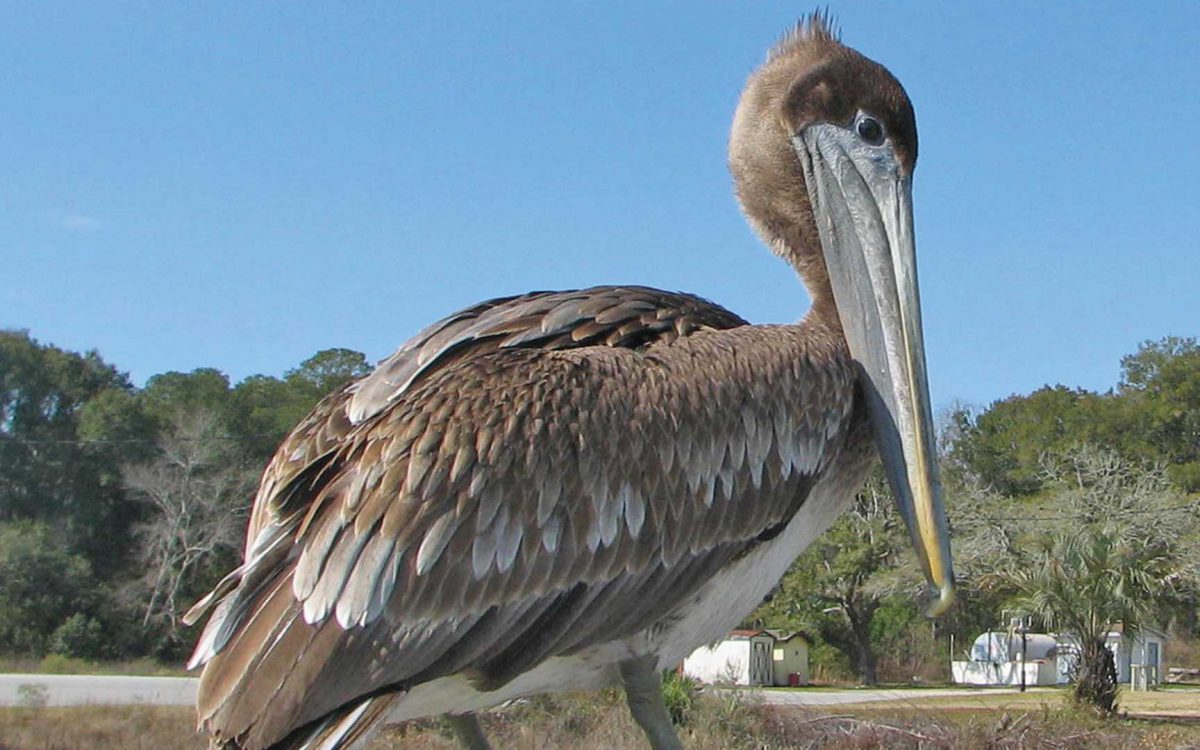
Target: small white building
[1139,660]
[789,658]
[744,657]
[997,658]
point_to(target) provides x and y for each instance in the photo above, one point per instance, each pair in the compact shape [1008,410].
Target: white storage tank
[997,646]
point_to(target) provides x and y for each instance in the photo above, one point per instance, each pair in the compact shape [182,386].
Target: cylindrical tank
[997,646]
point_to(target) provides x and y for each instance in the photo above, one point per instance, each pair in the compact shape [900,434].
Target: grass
[1176,702]
[724,721]
[99,728]
[839,688]
[55,664]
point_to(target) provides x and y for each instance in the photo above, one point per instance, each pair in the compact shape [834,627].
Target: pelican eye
[869,129]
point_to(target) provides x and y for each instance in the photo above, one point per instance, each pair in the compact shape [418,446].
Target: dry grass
[1173,702]
[595,721]
[732,723]
[1178,702]
[1182,652]
[729,722]
[99,728]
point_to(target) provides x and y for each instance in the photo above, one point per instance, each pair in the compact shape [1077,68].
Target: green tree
[1003,447]
[1083,582]
[106,487]
[1161,385]
[114,417]
[43,584]
[837,585]
[196,485]
[196,492]
[268,407]
[57,456]
[1116,557]
[1153,416]
[328,369]
[172,393]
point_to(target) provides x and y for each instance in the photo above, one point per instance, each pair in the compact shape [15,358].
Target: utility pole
[1019,624]
[1023,630]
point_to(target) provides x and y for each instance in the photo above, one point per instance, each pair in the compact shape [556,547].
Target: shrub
[42,585]
[679,693]
[79,636]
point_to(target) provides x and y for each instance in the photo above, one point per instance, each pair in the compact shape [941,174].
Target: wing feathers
[434,542]
[476,504]
[312,558]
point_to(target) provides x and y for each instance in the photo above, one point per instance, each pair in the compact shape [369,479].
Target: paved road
[77,690]
[803,697]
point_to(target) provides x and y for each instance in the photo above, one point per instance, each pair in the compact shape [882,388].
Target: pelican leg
[468,731]
[643,692]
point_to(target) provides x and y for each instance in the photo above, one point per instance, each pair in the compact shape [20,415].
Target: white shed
[744,657]
[995,658]
[1139,659]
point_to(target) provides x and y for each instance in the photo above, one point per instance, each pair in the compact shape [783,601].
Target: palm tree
[1085,581]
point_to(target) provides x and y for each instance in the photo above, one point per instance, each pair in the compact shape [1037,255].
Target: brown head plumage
[809,77]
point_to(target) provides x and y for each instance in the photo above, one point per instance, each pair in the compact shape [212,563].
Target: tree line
[119,506]
[1074,507]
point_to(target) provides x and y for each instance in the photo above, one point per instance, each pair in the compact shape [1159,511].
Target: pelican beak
[862,203]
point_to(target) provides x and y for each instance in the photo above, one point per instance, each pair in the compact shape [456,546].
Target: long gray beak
[862,203]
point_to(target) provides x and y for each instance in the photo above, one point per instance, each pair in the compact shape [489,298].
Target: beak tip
[945,598]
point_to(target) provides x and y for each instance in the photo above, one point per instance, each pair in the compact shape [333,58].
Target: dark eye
[869,129]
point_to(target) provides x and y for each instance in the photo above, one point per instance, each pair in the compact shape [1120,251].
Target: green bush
[81,637]
[679,693]
[59,664]
[42,585]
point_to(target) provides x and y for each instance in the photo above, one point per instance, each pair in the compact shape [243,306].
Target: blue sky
[238,185]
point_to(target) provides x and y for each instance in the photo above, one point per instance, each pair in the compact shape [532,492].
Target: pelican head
[822,152]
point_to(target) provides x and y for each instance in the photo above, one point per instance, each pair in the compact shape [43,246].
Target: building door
[760,663]
[1153,677]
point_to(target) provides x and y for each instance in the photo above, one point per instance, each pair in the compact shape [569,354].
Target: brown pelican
[562,490]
